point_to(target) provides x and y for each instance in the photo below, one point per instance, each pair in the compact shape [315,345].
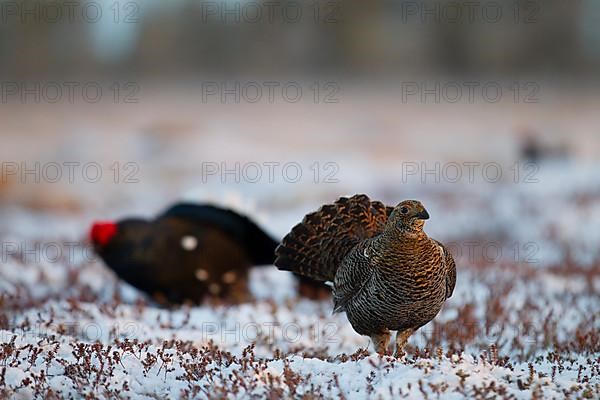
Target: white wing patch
[201,274]
[189,243]
[214,288]
[229,277]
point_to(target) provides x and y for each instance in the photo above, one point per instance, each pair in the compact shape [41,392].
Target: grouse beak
[423,214]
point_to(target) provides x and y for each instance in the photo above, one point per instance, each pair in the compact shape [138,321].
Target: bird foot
[401,340]
[380,342]
[399,354]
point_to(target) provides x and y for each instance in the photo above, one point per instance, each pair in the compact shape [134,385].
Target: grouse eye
[404,210]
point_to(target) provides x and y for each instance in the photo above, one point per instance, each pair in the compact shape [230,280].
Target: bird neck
[401,239]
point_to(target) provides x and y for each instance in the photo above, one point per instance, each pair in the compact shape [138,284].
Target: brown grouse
[387,274]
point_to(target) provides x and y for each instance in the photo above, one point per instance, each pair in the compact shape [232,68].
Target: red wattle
[102,232]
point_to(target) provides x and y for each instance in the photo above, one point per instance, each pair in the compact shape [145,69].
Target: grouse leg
[381,341]
[401,339]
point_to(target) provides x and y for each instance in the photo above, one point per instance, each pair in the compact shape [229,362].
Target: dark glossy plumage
[187,253]
[387,273]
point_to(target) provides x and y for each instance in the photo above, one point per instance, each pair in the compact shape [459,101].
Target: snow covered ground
[505,331]
[524,320]
[520,324]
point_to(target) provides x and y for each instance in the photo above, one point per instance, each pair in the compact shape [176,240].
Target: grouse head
[408,217]
[105,233]
[120,243]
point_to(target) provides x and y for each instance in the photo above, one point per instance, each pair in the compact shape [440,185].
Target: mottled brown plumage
[387,273]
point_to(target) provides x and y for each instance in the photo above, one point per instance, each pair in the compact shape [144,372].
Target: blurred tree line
[155,38]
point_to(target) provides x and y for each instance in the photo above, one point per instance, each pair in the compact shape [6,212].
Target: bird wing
[450,270]
[258,243]
[354,273]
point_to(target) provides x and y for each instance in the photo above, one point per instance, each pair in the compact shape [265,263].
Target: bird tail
[259,245]
[316,246]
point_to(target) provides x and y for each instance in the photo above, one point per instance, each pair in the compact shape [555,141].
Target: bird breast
[412,271]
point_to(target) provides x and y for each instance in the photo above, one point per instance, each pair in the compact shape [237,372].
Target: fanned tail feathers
[316,246]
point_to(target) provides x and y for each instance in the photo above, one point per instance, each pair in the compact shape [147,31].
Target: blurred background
[230,100]
[487,111]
